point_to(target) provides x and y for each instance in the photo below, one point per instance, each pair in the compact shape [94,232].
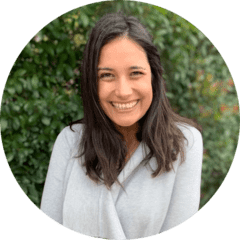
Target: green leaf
[33,119]
[18,88]
[29,84]
[60,47]
[84,19]
[53,80]
[193,39]
[16,108]
[36,94]
[161,10]
[16,123]
[170,95]
[35,81]
[35,129]
[33,194]
[49,48]
[27,106]
[74,107]
[25,181]
[80,115]
[10,156]
[24,188]
[11,90]
[69,70]
[20,72]
[4,124]
[46,121]
[161,32]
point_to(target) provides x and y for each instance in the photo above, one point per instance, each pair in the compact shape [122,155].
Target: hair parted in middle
[102,146]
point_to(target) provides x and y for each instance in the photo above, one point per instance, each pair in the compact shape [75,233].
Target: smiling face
[124,81]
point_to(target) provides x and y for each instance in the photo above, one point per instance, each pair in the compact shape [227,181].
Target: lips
[126,102]
[125,105]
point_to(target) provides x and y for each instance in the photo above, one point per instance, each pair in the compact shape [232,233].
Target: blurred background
[42,93]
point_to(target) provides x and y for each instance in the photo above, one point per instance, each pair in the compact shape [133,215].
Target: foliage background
[41,95]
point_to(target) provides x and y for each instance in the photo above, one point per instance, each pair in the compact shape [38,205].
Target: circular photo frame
[42,96]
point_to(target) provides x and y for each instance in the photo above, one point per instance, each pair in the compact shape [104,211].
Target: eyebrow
[137,67]
[105,68]
[110,69]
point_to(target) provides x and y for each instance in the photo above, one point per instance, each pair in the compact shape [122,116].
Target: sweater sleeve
[185,197]
[52,198]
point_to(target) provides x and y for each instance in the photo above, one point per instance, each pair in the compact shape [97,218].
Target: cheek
[148,96]
[147,91]
[101,92]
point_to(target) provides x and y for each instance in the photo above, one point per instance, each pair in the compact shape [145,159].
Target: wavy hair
[101,144]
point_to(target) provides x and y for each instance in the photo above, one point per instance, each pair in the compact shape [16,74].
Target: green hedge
[41,95]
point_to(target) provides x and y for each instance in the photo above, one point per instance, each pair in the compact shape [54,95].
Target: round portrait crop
[119,124]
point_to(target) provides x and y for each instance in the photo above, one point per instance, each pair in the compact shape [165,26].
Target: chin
[125,123]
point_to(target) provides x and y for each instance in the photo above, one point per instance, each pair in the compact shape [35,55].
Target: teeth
[125,106]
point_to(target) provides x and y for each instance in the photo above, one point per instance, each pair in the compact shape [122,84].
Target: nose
[123,88]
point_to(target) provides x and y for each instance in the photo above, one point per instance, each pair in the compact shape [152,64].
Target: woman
[132,167]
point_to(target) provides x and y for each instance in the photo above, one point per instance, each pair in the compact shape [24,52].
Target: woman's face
[124,81]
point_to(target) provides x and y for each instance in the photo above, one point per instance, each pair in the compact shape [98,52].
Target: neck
[129,133]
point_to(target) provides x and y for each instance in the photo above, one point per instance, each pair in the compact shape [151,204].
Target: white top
[149,205]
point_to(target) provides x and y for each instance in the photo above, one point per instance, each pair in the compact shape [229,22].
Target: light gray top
[149,205]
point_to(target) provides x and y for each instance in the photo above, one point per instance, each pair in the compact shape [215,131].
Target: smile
[125,106]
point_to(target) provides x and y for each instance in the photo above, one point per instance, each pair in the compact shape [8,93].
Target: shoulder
[191,167]
[69,136]
[193,137]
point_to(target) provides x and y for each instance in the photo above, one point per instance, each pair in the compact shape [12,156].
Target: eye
[136,74]
[106,76]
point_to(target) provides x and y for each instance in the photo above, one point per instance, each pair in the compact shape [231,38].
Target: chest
[91,208]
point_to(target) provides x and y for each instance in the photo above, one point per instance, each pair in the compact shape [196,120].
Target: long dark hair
[101,144]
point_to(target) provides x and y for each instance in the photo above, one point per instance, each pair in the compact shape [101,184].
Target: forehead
[122,50]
